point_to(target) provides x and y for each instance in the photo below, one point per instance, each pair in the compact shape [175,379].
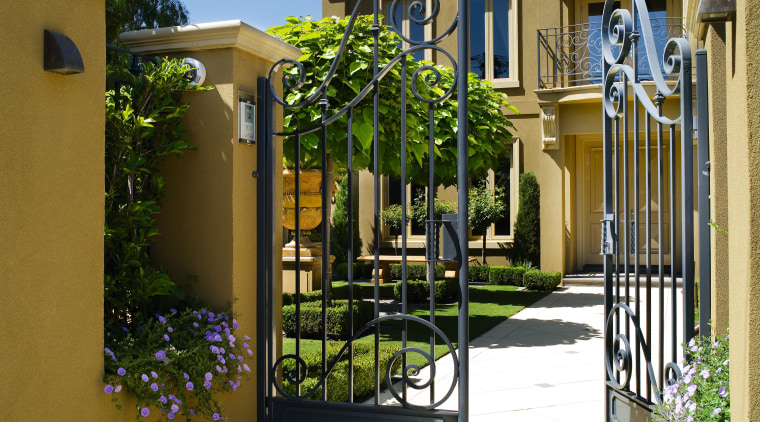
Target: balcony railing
[572,55]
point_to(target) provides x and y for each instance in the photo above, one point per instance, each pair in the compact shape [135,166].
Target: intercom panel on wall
[246,121]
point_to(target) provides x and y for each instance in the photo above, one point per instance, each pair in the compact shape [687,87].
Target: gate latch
[608,234]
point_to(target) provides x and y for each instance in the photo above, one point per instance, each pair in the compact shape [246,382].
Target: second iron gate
[286,391]
[648,169]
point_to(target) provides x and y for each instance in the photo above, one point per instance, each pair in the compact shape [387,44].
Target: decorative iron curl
[618,359]
[614,92]
[298,377]
[617,26]
[672,374]
[415,9]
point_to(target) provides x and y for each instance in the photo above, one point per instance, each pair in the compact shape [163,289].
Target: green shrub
[479,273]
[340,225]
[537,280]
[363,269]
[512,276]
[337,381]
[340,291]
[368,291]
[417,272]
[336,319]
[527,240]
[313,296]
[446,291]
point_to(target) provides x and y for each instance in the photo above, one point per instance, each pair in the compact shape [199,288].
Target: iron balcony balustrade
[572,55]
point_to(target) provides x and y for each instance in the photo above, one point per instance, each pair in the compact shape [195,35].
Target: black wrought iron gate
[649,210]
[285,392]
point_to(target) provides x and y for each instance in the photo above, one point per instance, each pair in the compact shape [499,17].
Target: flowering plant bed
[176,363]
[701,394]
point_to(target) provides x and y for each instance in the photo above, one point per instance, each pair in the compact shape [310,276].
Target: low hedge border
[362,270]
[537,280]
[446,291]
[337,319]
[500,275]
[479,273]
[417,272]
[337,381]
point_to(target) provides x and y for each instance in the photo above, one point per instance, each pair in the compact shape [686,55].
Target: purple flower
[121,371]
[162,319]
[231,338]
[218,368]
[240,358]
[246,367]
[154,386]
[214,350]
[189,386]
[170,415]
[235,324]
[705,373]
[209,376]
[108,351]
[162,399]
[166,337]
[175,408]
[247,338]
[207,384]
[195,324]
[108,389]
[160,355]
[234,387]
[125,329]
[145,412]
[220,358]
[232,356]
[716,411]
[722,392]
[215,416]
[170,329]
[218,328]
[144,378]
[217,337]
[250,352]
[725,362]
[117,389]
[192,412]
[187,377]
[154,374]
[172,310]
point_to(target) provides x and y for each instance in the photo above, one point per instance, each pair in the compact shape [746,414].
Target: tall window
[493,41]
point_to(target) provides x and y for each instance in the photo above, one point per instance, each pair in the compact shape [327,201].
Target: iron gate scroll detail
[647,316]
[278,403]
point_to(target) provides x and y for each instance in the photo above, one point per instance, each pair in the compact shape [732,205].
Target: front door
[591,210]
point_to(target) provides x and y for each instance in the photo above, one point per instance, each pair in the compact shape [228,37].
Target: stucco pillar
[551,183]
[743,165]
[208,221]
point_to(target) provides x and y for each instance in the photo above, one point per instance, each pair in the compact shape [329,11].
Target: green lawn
[489,305]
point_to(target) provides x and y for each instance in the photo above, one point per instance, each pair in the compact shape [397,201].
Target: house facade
[546,56]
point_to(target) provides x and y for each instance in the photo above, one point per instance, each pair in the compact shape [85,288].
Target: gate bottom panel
[283,410]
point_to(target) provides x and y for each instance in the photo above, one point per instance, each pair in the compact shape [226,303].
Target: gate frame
[619,31]
[266,174]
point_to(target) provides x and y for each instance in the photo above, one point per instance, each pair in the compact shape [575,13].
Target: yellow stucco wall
[51,217]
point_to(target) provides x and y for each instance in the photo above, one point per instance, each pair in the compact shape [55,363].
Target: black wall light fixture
[61,54]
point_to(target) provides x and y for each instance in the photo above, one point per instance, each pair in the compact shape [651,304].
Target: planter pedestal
[310,267]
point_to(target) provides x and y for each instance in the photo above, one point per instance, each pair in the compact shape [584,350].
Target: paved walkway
[543,364]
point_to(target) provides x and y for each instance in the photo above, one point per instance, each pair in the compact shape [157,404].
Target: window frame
[406,23]
[514,45]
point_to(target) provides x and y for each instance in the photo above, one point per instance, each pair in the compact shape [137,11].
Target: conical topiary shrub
[527,240]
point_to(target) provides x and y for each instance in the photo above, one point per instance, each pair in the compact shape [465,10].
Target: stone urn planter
[310,201]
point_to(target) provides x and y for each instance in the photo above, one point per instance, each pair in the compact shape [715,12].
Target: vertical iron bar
[607,152]
[297,192]
[703,177]
[616,190]
[376,150]
[350,258]
[660,243]
[673,242]
[402,182]
[326,196]
[625,229]
[431,229]
[463,51]
[538,58]
[687,198]
[264,248]
[648,237]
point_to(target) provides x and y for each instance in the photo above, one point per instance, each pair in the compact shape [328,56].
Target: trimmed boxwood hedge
[337,381]
[337,319]
[362,270]
[512,276]
[446,291]
[479,273]
[537,280]
[417,272]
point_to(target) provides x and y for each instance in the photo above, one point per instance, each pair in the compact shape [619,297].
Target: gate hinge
[608,234]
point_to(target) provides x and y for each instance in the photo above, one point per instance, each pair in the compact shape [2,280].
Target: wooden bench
[386,260]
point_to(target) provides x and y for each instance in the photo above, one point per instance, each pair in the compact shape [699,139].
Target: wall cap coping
[209,36]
